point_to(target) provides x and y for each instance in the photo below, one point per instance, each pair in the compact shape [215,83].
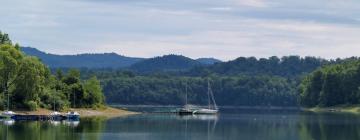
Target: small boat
[73,115]
[186,109]
[56,116]
[211,109]
[206,111]
[190,109]
[8,114]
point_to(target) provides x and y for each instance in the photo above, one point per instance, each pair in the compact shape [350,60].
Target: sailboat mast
[8,99]
[186,94]
[209,94]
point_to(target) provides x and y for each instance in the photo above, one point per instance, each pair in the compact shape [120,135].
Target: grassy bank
[84,112]
[340,108]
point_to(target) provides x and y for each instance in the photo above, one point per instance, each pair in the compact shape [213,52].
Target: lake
[230,124]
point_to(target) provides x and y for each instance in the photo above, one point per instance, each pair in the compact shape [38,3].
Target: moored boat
[72,115]
[212,108]
[8,114]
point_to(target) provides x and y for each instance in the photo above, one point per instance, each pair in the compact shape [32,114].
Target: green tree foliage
[4,39]
[30,85]
[238,90]
[332,85]
[287,66]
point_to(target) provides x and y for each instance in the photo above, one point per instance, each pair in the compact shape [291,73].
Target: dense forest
[287,66]
[238,90]
[331,85]
[242,82]
[29,83]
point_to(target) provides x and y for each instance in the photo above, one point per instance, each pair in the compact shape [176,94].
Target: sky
[223,29]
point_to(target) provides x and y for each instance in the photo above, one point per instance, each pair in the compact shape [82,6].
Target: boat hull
[206,111]
[73,117]
[185,111]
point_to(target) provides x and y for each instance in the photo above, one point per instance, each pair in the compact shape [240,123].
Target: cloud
[197,28]
[251,3]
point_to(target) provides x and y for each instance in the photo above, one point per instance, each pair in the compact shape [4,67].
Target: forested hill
[106,60]
[287,66]
[165,63]
[115,61]
[26,83]
[208,61]
[332,85]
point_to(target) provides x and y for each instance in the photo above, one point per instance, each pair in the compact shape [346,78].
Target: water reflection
[329,126]
[71,123]
[51,130]
[244,126]
[8,122]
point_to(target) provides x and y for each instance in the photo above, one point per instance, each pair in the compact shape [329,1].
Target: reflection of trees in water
[35,130]
[329,126]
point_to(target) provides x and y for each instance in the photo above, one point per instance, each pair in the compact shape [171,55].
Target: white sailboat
[212,108]
[8,114]
[187,109]
[55,116]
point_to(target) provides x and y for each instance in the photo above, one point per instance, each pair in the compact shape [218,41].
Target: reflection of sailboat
[211,109]
[55,123]
[211,121]
[199,117]
[72,123]
[8,122]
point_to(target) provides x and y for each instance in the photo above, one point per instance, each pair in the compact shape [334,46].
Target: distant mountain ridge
[106,60]
[208,61]
[113,60]
[165,63]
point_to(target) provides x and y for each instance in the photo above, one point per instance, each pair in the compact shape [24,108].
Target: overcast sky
[224,29]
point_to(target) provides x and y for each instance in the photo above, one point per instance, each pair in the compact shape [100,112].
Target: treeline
[287,66]
[332,85]
[242,82]
[231,91]
[30,84]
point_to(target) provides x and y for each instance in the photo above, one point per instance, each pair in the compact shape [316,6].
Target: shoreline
[354,109]
[107,112]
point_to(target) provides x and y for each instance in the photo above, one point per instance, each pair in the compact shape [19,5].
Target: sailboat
[8,114]
[211,109]
[73,115]
[187,109]
[55,116]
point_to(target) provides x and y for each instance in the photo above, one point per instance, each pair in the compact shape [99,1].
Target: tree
[94,92]
[10,59]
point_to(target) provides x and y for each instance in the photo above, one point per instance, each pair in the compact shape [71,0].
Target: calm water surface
[231,124]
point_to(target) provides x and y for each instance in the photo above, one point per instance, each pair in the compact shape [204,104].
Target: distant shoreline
[355,109]
[108,112]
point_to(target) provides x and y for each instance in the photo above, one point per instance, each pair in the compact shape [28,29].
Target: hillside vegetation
[332,85]
[30,85]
